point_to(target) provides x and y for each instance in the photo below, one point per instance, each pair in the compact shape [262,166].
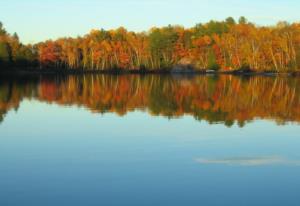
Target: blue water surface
[54,155]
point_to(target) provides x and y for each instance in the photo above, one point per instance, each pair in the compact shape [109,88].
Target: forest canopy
[227,45]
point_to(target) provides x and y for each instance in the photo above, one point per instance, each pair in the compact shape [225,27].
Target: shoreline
[28,71]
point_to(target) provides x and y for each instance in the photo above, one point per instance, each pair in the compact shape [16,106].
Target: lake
[149,140]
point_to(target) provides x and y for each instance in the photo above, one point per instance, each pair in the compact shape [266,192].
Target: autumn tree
[227,45]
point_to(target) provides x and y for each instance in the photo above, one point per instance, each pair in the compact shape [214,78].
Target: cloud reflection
[250,161]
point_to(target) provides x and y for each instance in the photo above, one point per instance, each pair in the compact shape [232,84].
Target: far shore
[28,71]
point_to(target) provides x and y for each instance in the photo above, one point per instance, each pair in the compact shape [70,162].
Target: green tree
[243,20]
[230,21]
[2,30]
[4,53]
[161,44]
[210,28]
[25,56]
[212,62]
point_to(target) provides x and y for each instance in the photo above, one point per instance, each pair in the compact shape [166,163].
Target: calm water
[152,140]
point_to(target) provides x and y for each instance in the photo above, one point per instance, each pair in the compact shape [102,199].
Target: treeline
[217,45]
[217,99]
[15,54]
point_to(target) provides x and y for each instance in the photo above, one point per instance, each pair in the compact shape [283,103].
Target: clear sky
[36,20]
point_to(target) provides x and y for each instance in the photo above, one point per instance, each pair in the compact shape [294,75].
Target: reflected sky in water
[54,154]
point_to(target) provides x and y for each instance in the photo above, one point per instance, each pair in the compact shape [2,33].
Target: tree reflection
[215,99]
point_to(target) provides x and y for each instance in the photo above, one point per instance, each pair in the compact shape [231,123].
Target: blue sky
[37,20]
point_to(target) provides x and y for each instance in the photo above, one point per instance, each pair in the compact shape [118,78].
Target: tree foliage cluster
[14,53]
[218,45]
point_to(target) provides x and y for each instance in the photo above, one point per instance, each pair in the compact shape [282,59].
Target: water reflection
[250,161]
[215,99]
[61,154]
